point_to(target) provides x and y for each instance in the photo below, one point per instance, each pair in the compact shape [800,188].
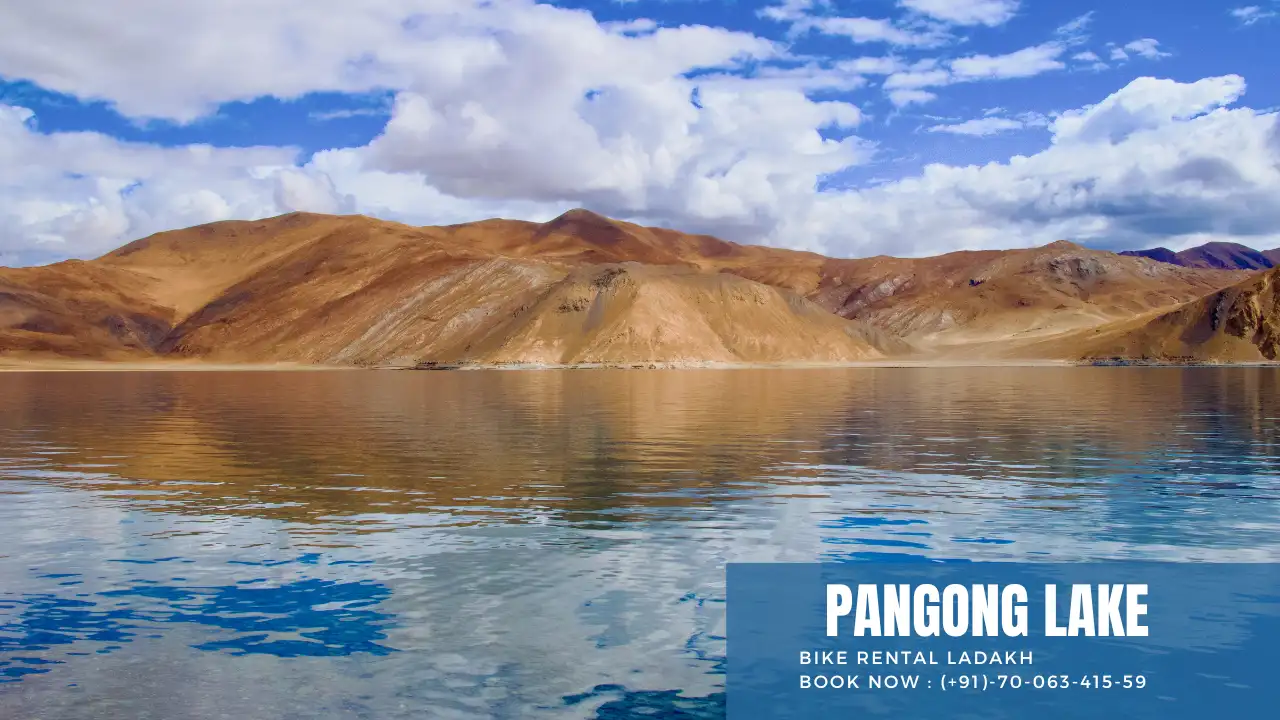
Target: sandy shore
[54,365]
[883,363]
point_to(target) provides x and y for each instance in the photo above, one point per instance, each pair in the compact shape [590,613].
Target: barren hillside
[582,288]
[1238,324]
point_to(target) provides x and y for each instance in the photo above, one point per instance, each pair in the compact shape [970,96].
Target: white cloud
[636,26]
[806,78]
[799,14]
[287,48]
[787,11]
[992,123]
[511,109]
[556,110]
[1251,14]
[1091,60]
[871,30]
[1074,30]
[981,127]
[84,193]
[1147,48]
[903,98]
[1023,63]
[543,106]
[346,113]
[1155,163]
[965,12]
[871,65]
[1146,104]
[913,79]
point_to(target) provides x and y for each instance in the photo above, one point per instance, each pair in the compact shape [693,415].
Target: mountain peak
[1063,245]
[581,216]
[1159,254]
[585,225]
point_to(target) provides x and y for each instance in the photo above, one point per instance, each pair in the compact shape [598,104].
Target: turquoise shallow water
[547,543]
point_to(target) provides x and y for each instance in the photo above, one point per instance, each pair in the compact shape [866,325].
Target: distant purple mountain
[1214,255]
[1162,254]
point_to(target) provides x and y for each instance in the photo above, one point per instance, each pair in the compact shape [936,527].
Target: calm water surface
[552,544]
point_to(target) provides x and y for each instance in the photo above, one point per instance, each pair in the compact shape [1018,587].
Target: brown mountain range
[580,289]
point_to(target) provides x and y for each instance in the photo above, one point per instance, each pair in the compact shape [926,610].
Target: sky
[850,128]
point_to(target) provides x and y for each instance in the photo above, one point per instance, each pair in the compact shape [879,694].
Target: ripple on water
[552,544]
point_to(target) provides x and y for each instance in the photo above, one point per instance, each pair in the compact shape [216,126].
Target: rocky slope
[350,290]
[356,291]
[79,309]
[1238,324]
[992,302]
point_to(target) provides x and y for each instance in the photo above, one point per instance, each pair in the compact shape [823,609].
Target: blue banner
[918,641]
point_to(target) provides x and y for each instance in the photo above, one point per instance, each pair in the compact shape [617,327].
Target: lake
[517,544]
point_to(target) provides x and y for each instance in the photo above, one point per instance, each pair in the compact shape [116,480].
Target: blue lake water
[552,543]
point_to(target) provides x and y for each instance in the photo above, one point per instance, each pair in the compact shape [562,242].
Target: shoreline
[60,365]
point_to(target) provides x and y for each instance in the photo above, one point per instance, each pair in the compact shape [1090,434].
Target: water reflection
[285,621]
[512,544]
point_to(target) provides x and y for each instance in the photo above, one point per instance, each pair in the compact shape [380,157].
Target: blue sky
[851,128]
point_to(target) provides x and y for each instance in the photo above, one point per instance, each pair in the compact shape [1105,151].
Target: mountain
[991,302]
[1214,255]
[79,309]
[1272,255]
[1163,254]
[582,288]
[358,291]
[1238,324]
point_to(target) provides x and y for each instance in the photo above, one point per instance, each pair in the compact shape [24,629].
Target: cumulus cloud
[82,194]
[506,102]
[287,48]
[1157,162]
[512,109]
[1145,104]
